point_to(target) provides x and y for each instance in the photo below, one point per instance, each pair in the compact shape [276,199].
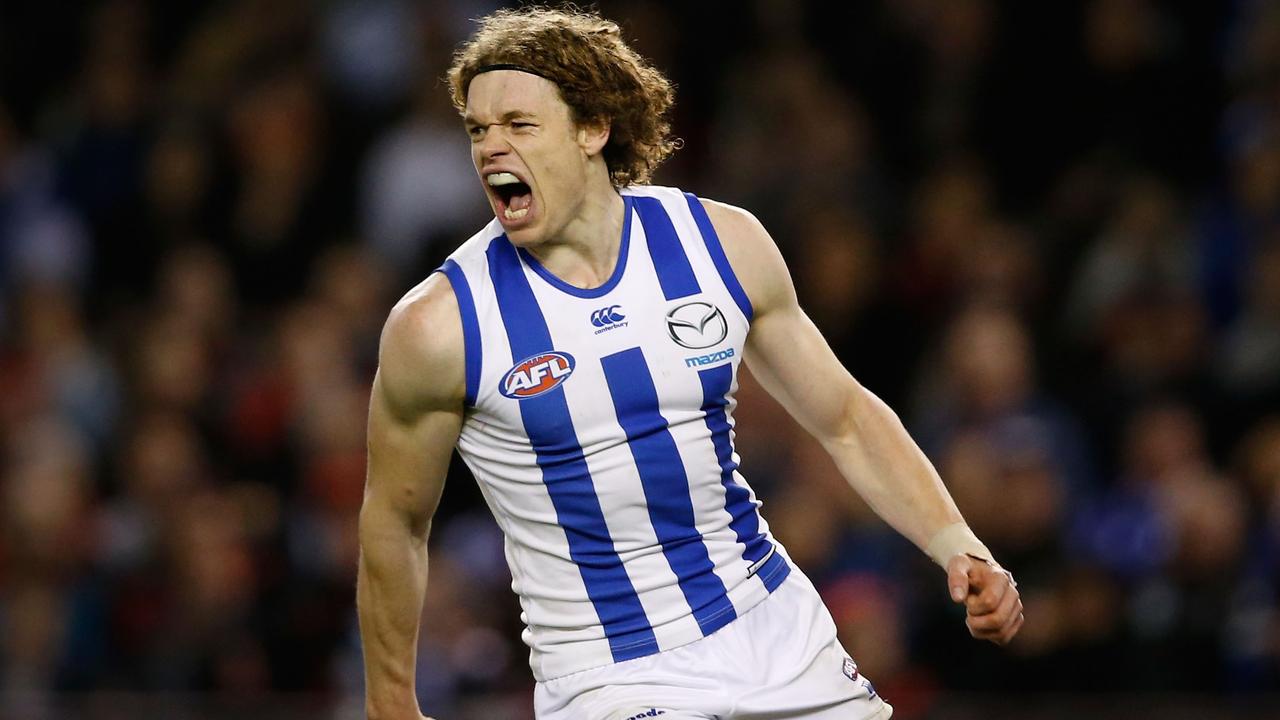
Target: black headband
[510,66]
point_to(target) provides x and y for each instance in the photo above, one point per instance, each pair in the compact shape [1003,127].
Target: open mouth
[515,197]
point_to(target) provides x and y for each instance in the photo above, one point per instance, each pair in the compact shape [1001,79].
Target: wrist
[956,539]
[385,710]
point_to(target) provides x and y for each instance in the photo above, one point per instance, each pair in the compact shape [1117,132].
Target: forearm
[391,583]
[874,452]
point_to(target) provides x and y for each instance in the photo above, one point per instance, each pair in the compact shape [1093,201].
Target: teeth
[502,178]
[515,214]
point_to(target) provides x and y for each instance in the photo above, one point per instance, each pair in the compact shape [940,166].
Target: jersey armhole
[718,258]
[470,326]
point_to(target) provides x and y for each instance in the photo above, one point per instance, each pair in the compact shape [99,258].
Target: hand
[990,597]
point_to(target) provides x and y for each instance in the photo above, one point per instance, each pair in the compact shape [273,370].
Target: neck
[585,252]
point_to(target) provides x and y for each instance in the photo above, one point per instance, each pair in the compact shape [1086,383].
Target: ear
[593,136]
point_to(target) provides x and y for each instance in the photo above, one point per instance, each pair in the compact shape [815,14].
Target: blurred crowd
[1048,234]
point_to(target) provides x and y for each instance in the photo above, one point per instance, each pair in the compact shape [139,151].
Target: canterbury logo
[607,316]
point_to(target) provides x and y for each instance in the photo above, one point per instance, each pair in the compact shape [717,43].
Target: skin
[871,448]
[415,415]
[518,123]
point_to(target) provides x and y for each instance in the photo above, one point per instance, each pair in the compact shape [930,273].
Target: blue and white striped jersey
[600,428]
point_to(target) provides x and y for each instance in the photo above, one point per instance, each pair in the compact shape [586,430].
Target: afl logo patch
[697,325]
[535,375]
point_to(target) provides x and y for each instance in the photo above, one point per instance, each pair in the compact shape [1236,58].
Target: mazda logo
[697,325]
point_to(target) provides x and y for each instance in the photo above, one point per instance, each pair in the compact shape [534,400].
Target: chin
[525,237]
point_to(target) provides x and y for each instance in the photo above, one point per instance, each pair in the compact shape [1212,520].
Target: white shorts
[779,661]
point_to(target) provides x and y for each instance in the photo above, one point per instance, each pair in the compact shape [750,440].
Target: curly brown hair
[600,78]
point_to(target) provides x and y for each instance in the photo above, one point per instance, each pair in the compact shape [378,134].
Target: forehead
[499,92]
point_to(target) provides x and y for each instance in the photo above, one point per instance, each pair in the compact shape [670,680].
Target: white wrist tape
[957,539]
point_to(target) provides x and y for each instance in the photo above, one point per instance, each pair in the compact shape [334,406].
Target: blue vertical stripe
[718,257]
[470,327]
[549,426]
[666,487]
[675,274]
[743,518]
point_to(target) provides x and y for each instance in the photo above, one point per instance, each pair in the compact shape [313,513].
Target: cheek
[568,165]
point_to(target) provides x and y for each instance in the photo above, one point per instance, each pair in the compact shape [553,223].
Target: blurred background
[1047,233]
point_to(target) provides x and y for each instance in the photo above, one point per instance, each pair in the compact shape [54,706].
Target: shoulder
[752,254]
[735,224]
[421,354]
[471,252]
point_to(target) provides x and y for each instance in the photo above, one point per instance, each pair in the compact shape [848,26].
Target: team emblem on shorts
[535,375]
[697,325]
[850,669]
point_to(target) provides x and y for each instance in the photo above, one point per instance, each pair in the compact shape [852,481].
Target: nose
[494,144]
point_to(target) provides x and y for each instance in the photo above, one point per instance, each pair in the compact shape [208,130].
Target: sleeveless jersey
[599,425]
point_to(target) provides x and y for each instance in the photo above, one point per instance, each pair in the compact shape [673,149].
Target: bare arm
[415,415]
[865,438]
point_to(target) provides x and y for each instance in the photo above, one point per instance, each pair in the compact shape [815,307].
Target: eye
[521,125]
[476,132]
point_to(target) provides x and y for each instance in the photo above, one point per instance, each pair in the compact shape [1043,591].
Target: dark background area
[1048,234]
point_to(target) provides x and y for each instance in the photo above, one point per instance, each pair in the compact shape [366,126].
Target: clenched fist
[990,598]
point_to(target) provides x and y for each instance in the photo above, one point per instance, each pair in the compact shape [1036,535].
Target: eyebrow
[506,117]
